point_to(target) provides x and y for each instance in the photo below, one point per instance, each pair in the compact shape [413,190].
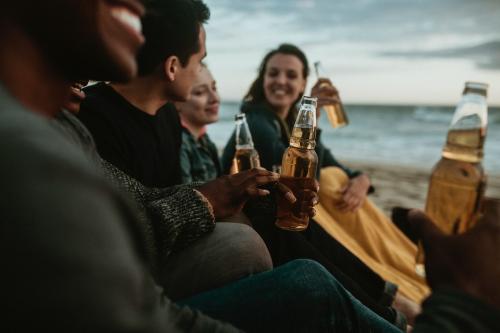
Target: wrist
[206,202]
[364,181]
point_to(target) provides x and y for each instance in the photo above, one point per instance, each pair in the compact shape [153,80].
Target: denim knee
[321,296]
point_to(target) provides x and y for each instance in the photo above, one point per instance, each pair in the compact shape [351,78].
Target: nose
[281,78]
[214,97]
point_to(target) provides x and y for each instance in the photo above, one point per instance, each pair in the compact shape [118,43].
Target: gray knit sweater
[72,256]
[171,218]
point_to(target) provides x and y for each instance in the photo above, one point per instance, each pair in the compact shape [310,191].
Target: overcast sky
[376,51]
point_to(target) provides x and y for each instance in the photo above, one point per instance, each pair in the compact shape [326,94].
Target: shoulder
[258,112]
[262,121]
[188,141]
[104,114]
[31,142]
[209,142]
[100,101]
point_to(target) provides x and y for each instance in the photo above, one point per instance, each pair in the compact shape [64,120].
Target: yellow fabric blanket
[371,236]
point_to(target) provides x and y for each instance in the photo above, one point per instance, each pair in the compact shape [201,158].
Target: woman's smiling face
[202,106]
[283,81]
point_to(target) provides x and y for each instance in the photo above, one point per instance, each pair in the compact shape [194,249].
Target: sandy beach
[406,186]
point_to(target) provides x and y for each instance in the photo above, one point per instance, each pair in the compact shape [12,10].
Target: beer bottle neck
[302,144]
[303,137]
[243,135]
[244,147]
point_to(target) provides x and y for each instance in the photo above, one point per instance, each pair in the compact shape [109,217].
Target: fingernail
[290,197]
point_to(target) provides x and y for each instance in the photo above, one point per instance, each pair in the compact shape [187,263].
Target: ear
[171,67]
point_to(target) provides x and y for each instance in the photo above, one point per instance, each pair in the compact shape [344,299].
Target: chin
[212,120]
[126,72]
[279,104]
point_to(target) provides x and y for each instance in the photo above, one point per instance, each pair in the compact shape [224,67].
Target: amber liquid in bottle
[458,181]
[336,114]
[298,170]
[457,185]
[245,159]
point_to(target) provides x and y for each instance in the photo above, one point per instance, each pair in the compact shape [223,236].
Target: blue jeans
[300,296]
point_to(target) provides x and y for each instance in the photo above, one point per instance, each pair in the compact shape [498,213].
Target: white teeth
[128,18]
[279,92]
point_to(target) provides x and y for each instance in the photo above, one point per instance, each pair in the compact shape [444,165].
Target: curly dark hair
[256,92]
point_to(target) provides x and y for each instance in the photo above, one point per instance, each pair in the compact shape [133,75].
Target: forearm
[179,219]
[177,215]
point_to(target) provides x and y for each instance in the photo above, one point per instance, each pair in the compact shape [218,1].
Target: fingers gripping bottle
[335,112]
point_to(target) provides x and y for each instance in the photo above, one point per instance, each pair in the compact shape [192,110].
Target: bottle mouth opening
[476,87]
[308,100]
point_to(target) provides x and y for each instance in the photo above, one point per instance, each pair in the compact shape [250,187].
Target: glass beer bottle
[335,112]
[245,157]
[298,168]
[458,181]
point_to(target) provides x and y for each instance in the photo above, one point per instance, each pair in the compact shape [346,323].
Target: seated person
[45,231]
[199,159]
[189,249]
[133,136]
[200,162]
[344,212]
[71,246]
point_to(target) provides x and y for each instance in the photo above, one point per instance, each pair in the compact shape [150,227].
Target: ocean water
[396,135]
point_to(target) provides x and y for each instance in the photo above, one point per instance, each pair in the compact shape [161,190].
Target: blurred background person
[199,157]
[199,162]
[344,211]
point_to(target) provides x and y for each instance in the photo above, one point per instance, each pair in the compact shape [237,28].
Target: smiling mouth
[213,109]
[128,18]
[279,92]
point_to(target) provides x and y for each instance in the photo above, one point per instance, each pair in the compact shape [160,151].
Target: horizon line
[495,106]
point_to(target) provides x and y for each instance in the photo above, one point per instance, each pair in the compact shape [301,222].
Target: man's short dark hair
[171,27]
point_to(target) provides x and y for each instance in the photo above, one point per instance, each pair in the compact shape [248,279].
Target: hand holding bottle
[458,180]
[228,194]
[326,93]
[298,169]
[469,262]
[307,198]
[328,98]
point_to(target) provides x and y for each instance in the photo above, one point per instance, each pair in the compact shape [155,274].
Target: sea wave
[432,114]
[387,134]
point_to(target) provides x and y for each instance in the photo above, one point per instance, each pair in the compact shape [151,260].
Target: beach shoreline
[405,186]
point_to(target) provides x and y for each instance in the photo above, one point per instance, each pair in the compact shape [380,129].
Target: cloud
[485,55]
[374,20]
[374,41]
